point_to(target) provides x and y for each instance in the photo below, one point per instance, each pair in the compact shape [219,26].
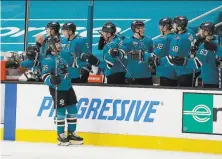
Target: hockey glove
[154,61]
[84,72]
[101,43]
[210,46]
[178,60]
[38,44]
[90,58]
[55,80]
[14,64]
[114,52]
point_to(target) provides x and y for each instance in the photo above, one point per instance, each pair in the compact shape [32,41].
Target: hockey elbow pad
[93,60]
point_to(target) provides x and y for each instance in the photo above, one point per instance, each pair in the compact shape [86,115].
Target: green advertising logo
[200,113]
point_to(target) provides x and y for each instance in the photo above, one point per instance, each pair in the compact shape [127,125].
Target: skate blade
[73,142]
[63,143]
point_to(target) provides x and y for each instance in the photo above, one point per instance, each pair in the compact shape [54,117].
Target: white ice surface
[24,150]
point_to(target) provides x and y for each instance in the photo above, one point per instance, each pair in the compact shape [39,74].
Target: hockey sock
[71,118]
[60,120]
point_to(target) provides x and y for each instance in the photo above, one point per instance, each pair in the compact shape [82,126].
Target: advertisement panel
[202,113]
[136,111]
[2,102]
[120,110]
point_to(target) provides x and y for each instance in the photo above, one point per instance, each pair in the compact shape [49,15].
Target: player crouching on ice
[55,73]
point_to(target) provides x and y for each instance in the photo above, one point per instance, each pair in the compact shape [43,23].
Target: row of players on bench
[177,57]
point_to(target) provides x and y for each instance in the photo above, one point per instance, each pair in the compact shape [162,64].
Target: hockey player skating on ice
[75,51]
[56,74]
[206,57]
[166,72]
[113,56]
[137,49]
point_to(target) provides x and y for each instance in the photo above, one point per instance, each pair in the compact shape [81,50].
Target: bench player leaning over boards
[33,62]
[36,53]
[65,99]
[136,49]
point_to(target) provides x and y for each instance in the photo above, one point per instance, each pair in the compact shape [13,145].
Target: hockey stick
[52,44]
[118,57]
[90,24]
[27,7]
[219,69]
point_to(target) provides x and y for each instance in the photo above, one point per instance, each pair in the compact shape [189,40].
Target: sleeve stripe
[197,62]
[167,57]
[76,63]
[122,51]
[108,62]
[44,77]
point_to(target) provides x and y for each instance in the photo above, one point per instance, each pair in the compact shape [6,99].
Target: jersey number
[203,52]
[160,46]
[175,48]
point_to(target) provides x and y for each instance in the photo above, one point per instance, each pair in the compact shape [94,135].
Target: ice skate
[74,139]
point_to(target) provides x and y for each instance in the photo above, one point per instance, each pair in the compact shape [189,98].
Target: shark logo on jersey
[135,44]
[191,37]
[62,102]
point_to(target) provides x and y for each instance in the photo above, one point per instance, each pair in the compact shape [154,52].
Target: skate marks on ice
[24,150]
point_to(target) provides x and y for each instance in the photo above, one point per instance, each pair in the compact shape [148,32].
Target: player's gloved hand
[153,61]
[101,43]
[210,45]
[90,58]
[177,60]
[84,73]
[38,44]
[193,51]
[14,64]
[114,52]
[55,80]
